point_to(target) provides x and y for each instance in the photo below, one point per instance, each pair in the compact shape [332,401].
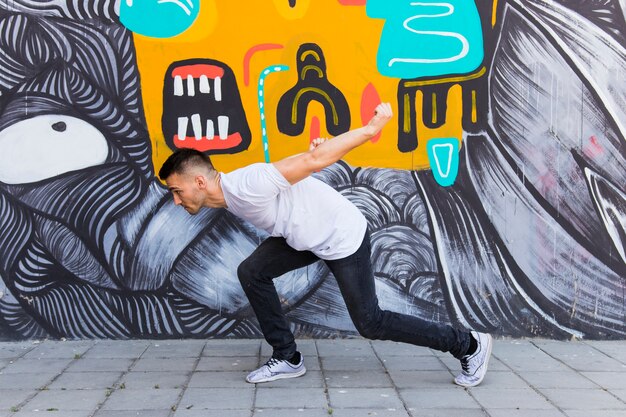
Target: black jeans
[354,275]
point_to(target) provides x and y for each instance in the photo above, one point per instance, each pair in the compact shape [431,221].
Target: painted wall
[497,201]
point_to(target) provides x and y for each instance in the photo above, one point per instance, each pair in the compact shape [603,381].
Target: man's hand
[316,142]
[382,115]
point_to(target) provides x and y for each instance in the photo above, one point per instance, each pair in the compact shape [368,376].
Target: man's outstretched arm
[298,167]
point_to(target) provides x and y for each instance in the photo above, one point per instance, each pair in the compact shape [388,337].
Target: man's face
[186,191]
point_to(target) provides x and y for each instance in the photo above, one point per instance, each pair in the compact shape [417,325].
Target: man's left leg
[355,278]
[271,259]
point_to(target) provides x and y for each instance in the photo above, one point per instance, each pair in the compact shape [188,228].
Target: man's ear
[201,181]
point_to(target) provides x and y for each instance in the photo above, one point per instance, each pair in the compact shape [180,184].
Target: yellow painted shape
[444,80]
[494,13]
[307,68]
[474,115]
[294,107]
[226,30]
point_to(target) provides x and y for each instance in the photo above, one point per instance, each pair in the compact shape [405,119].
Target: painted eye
[59,126]
[46,146]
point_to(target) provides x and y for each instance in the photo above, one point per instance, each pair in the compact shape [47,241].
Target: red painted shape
[352,2]
[205,144]
[248,56]
[369,100]
[211,71]
[315,129]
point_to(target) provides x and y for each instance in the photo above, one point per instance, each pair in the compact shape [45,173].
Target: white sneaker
[276,369]
[475,365]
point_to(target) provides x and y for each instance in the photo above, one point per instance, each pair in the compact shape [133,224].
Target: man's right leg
[271,259]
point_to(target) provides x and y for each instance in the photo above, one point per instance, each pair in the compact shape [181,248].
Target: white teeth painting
[210,129]
[222,126]
[191,86]
[527,241]
[218,89]
[205,87]
[183,122]
[197,126]
[178,86]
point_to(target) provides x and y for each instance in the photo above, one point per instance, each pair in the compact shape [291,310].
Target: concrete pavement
[345,378]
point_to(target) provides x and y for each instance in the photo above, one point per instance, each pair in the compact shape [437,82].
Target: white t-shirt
[310,215]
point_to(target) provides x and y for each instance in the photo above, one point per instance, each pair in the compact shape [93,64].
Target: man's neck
[215,196]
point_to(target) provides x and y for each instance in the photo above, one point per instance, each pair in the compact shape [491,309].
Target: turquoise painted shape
[443,155]
[261,92]
[159,18]
[428,38]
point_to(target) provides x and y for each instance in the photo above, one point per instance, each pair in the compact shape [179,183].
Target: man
[308,220]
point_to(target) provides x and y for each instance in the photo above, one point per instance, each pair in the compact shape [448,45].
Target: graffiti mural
[497,202]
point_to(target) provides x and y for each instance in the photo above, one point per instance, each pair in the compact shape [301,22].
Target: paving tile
[357,379]
[294,412]
[331,348]
[374,398]
[53,413]
[245,363]
[352,363]
[164,365]
[520,348]
[510,398]
[504,412]
[232,348]
[126,349]
[368,412]
[25,381]
[387,348]
[175,349]
[580,356]
[13,350]
[13,398]
[621,394]
[557,379]
[290,398]
[219,379]
[418,363]
[614,349]
[595,413]
[615,380]
[217,399]
[85,380]
[59,350]
[501,379]
[142,399]
[132,413]
[422,379]
[100,365]
[25,366]
[425,398]
[540,363]
[312,379]
[70,400]
[582,399]
[160,380]
[211,413]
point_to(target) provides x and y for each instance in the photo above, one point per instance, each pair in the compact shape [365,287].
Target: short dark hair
[182,159]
